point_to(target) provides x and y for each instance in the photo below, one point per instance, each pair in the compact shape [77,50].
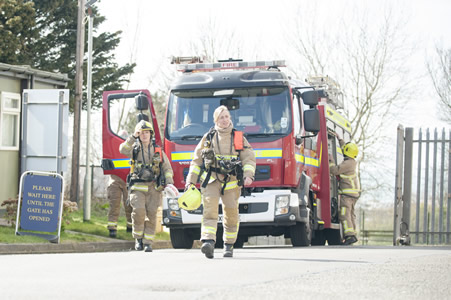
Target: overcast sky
[155,30]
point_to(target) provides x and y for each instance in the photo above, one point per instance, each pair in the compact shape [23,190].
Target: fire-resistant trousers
[145,208]
[116,190]
[210,199]
[347,215]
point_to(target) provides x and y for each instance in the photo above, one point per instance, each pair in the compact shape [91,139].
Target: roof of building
[24,71]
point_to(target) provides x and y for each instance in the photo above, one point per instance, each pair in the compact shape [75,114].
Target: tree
[17,30]
[215,42]
[44,35]
[367,58]
[440,72]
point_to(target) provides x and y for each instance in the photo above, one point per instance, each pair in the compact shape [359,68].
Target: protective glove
[171,191]
[187,185]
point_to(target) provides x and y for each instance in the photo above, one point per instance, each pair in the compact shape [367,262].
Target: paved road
[254,273]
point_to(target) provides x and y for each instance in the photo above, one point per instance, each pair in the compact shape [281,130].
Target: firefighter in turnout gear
[116,190]
[229,163]
[150,173]
[349,189]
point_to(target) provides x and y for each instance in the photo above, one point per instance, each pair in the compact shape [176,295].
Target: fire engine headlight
[282,204]
[173,204]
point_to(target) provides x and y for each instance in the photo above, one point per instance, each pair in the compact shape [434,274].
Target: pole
[88,175]
[77,102]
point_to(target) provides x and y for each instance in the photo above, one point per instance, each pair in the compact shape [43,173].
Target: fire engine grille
[244,208]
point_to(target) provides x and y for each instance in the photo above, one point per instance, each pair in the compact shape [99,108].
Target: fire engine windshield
[262,112]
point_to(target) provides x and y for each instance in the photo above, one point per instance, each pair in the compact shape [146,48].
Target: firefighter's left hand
[247,181]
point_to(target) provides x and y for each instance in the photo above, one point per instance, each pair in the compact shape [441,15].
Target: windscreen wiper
[263,134]
[191,137]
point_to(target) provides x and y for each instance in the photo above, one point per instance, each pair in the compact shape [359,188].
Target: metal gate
[422,187]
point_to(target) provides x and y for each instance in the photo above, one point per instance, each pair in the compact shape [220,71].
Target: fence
[424,162]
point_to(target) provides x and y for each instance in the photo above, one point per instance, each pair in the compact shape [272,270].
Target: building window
[9,121]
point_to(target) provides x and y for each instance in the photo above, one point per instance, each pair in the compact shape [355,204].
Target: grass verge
[76,230]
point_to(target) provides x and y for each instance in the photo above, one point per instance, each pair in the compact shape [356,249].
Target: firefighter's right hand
[137,130]
[187,185]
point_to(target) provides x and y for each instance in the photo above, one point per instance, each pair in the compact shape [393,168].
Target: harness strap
[226,179]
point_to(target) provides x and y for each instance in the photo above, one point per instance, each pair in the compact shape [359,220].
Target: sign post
[40,205]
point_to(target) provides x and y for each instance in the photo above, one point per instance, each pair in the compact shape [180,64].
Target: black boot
[228,250]
[138,244]
[113,233]
[350,240]
[147,248]
[208,248]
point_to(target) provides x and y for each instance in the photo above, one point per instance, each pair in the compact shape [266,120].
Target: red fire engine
[293,193]
[290,124]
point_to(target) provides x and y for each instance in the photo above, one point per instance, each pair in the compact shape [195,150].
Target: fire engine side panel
[324,174]
[111,141]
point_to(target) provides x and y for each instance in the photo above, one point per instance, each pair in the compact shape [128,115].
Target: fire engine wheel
[300,234]
[240,242]
[181,239]
[333,236]
[319,239]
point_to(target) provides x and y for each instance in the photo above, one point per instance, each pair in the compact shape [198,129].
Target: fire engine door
[333,146]
[121,112]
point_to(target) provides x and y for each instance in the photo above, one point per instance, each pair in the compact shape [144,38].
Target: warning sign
[41,203]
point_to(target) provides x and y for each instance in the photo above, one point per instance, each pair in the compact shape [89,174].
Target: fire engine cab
[291,126]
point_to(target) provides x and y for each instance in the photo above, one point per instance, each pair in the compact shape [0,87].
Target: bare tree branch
[439,69]
[367,61]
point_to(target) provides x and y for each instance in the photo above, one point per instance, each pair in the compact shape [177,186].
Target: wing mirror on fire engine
[311,125]
[230,103]
[311,120]
[310,98]
[107,164]
[141,101]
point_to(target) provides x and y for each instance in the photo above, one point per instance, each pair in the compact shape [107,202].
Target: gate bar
[417,215]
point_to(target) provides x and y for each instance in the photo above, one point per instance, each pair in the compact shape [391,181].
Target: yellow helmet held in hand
[191,199]
[350,150]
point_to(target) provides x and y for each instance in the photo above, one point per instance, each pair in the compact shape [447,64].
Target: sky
[153,31]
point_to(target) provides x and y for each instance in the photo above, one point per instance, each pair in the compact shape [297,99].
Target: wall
[9,159]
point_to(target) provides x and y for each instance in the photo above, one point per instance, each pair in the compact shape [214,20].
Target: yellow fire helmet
[191,199]
[350,150]
[144,125]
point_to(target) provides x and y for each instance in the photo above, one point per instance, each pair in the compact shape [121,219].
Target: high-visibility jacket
[349,181]
[223,147]
[126,148]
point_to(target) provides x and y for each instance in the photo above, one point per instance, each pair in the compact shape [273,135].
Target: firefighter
[229,163]
[151,174]
[116,190]
[349,189]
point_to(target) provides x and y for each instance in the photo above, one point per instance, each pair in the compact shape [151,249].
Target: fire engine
[291,126]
